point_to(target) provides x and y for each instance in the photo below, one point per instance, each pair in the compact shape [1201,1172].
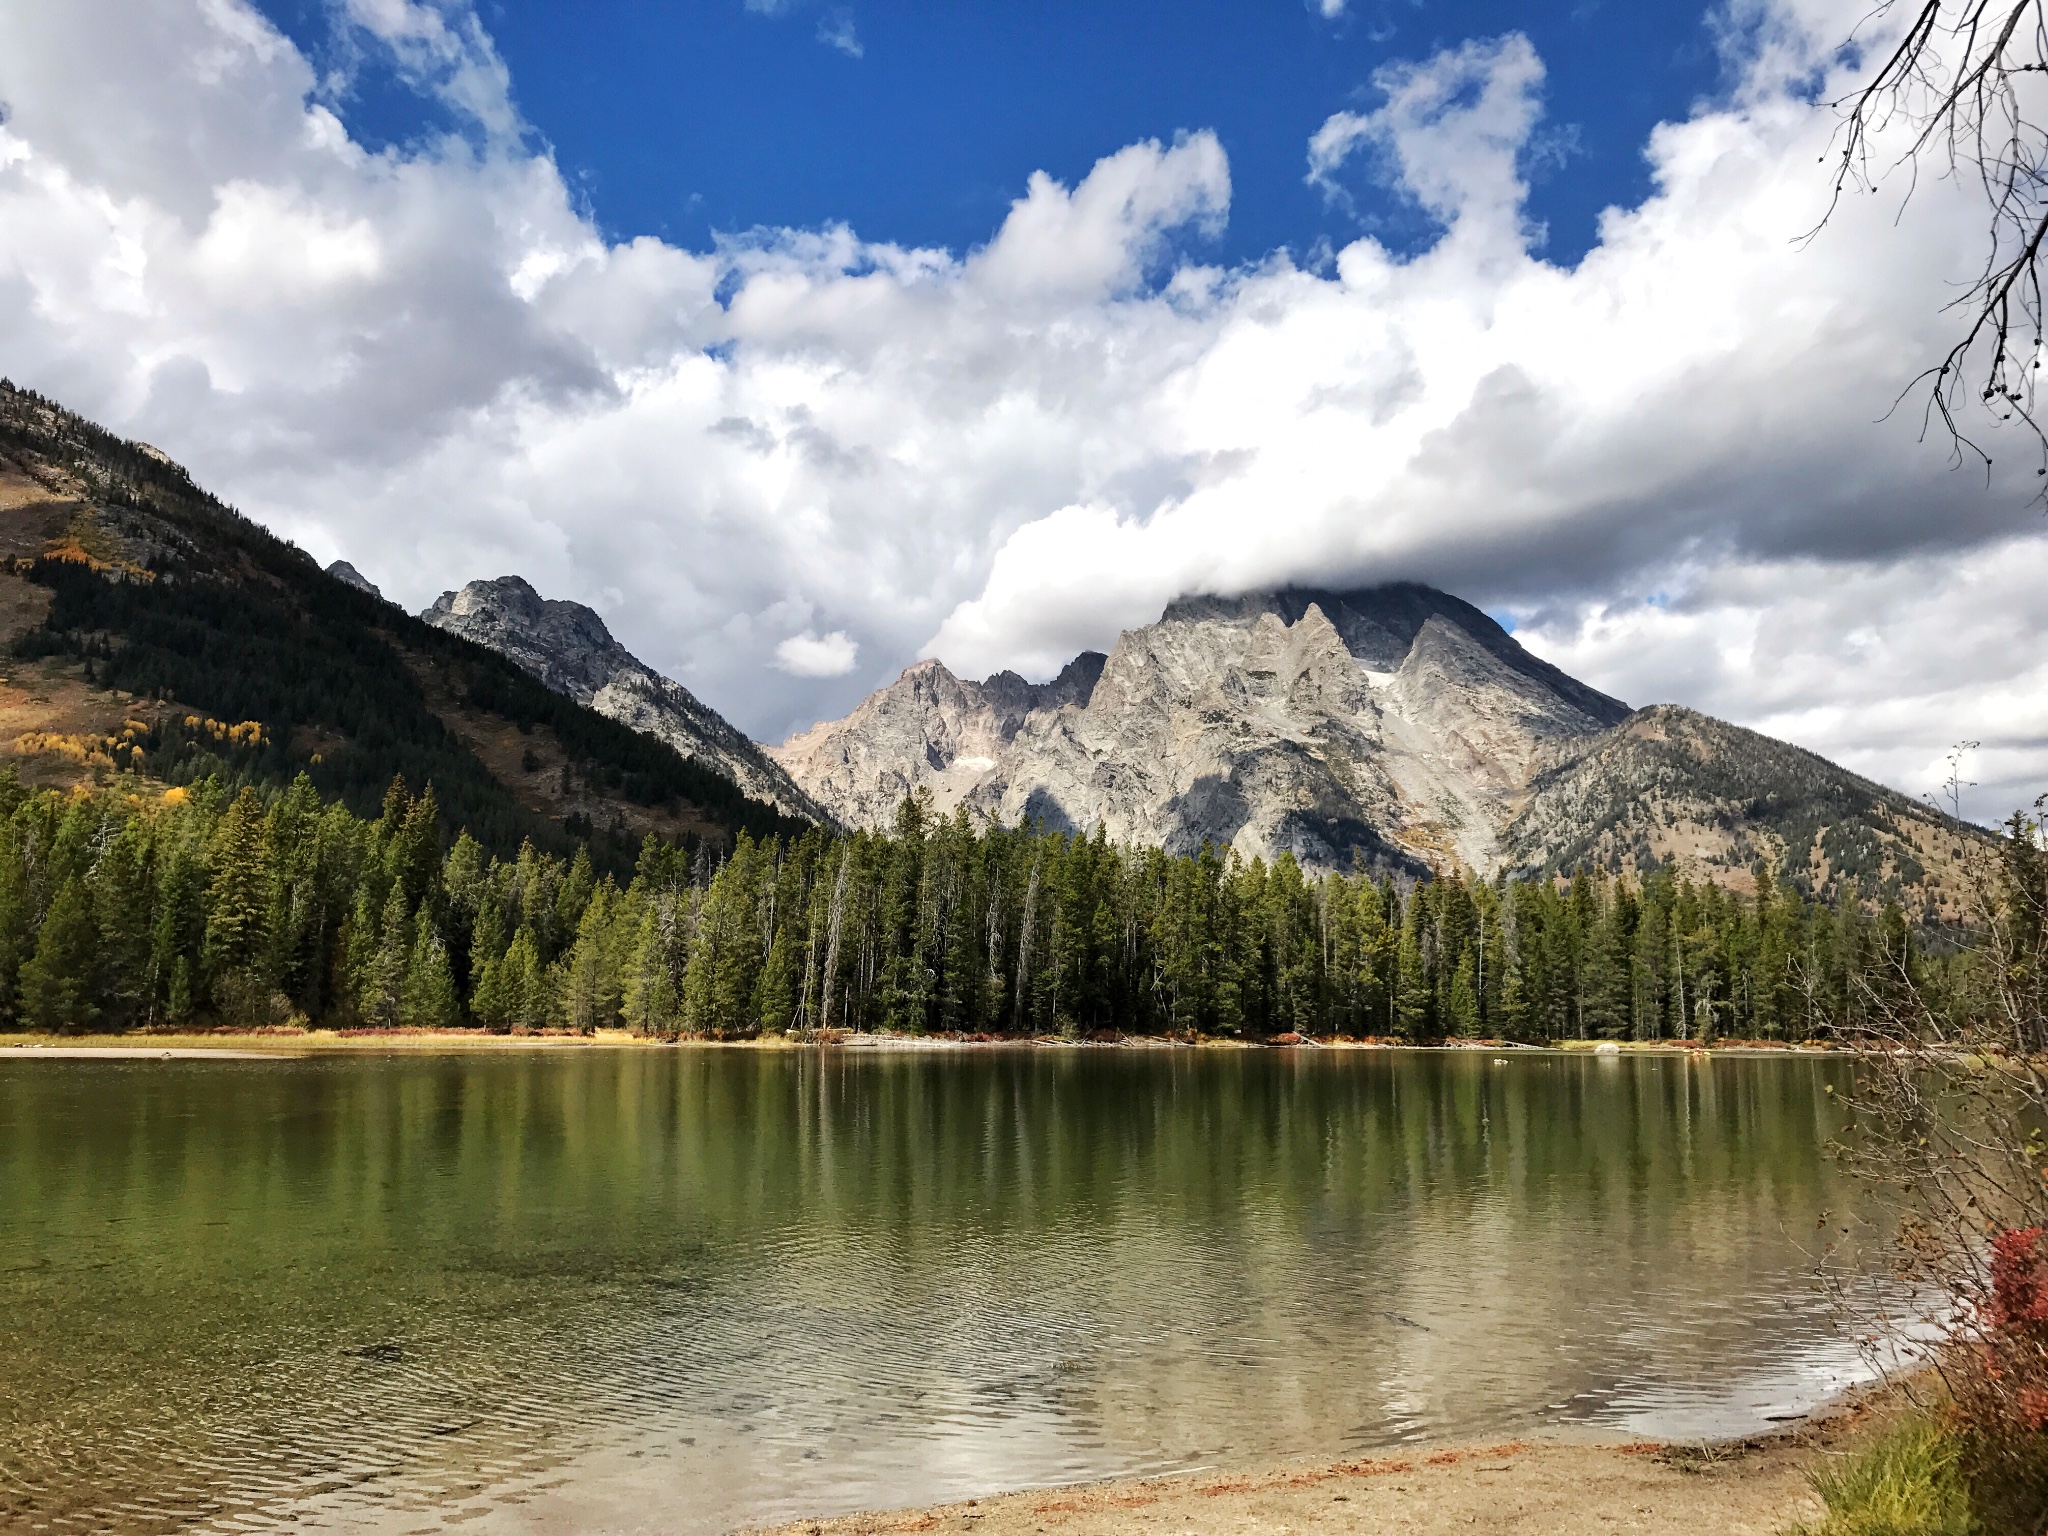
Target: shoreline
[1531,1486]
[192,1044]
[1549,1483]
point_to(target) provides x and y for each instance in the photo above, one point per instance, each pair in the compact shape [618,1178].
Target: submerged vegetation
[128,907]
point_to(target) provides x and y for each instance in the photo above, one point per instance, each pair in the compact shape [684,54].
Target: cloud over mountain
[785,466]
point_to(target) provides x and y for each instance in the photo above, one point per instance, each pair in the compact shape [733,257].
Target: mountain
[1671,783]
[927,731]
[348,575]
[1394,725]
[155,630]
[568,648]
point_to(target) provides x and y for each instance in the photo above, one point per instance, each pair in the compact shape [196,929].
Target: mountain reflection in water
[683,1290]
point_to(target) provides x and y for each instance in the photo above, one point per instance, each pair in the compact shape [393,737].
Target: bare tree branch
[1961,87]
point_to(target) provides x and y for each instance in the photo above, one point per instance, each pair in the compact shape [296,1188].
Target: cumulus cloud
[1881,663]
[813,655]
[786,465]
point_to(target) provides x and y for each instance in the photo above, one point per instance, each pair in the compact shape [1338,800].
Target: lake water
[685,1290]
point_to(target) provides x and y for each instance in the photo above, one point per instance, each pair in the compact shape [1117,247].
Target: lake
[684,1290]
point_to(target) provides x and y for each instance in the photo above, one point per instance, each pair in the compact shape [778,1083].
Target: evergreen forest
[210,904]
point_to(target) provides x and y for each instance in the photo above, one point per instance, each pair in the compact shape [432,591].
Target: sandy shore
[1530,1487]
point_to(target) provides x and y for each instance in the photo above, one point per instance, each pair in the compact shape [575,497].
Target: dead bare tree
[1960,93]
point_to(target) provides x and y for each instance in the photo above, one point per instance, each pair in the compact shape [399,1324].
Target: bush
[1909,1483]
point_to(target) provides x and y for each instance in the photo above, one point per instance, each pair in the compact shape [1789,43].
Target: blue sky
[438,286]
[685,120]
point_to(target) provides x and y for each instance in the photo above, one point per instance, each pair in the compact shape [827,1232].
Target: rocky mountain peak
[570,649]
[1389,721]
[1397,725]
[347,574]
[565,645]
[1380,626]
[929,730]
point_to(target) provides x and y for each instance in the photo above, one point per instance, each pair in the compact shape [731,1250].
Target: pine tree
[783,907]
[463,886]
[17,916]
[58,982]
[490,1001]
[121,916]
[380,984]
[238,900]
[179,1002]
[412,853]
[396,803]
[1412,989]
[653,995]
[592,986]
[1464,999]
[574,893]
[427,1000]
[725,963]
[523,982]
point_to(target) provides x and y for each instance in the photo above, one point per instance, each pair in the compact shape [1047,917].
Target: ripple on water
[686,1290]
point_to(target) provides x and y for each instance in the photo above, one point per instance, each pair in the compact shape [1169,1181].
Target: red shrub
[2019,1281]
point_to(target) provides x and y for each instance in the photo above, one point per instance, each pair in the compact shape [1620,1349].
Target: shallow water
[688,1290]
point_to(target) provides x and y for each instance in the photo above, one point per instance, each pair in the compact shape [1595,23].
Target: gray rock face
[568,648]
[1395,724]
[1670,784]
[342,571]
[927,730]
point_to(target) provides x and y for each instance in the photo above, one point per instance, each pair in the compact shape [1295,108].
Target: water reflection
[683,1289]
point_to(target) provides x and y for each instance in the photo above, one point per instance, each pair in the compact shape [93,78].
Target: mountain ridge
[568,648]
[1397,726]
[156,631]
[939,737]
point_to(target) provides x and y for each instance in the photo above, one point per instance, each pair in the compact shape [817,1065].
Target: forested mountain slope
[1670,785]
[568,647]
[154,629]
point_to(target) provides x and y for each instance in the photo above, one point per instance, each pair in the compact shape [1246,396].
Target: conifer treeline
[203,904]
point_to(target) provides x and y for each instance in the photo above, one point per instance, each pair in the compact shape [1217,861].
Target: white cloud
[1450,132]
[814,655]
[835,30]
[427,360]
[1883,664]
[443,50]
[836,27]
